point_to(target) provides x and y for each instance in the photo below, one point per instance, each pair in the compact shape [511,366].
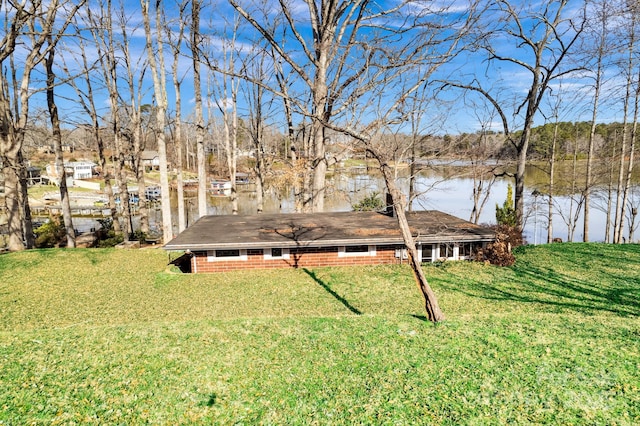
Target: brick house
[231,242]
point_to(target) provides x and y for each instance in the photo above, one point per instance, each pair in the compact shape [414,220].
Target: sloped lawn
[113,337]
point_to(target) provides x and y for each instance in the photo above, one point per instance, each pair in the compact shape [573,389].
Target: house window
[446,251]
[427,253]
[276,253]
[226,254]
[465,250]
[357,250]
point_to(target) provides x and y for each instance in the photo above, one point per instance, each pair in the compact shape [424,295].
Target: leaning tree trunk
[434,314]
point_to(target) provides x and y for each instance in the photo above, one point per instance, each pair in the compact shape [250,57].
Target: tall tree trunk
[27,224]
[632,153]
[13,118]
[12,191]
[233,164]
[57,139]
[135,133]
[160,91]
[255,95]
[519,182]
[121,179]
[119,160]
[199,117]
[594,115]
[607,232]
[319,168]
[88,101]
[178,140]
[552,181]
[571,223]
[291,149]
[412,165]
[618,224]
[178,137]
[111,80]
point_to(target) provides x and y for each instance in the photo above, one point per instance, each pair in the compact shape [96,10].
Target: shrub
[51,233]
[500,252]
[138,236]
[506,215]
[106,236]
[370,203]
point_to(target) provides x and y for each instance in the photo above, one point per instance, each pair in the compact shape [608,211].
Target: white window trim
[269,256]
[460,256]
[211,257]
[369,253]
[454,252]
[433,251]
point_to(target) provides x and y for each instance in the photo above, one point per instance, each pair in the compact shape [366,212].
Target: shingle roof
[322,230]
[149,155]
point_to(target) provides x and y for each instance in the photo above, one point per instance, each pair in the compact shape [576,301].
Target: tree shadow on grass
[329,290]
[532,284]
[422,318]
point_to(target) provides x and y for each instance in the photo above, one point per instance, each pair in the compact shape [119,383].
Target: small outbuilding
[231,242]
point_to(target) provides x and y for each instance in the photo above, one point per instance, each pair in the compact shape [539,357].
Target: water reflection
[450,195]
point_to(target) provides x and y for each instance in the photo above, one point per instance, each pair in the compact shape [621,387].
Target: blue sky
[459,113]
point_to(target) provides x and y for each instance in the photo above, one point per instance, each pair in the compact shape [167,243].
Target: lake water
[451,195]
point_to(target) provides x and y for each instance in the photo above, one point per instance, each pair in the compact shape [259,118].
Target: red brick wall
[298,258]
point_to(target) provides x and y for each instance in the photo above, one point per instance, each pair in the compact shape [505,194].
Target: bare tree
[196,42]
[627,69]
[330,73]
[109,64]
[610,186]
[547,37]
[484,169]
[552,178]
[351,63]
[57,141]
[255,97]
[177,83]
[629,132]
[160,90]
[87,97]
[298,163]
[133,119]
[33,23]
[599,31]
[225,93]
[576,197]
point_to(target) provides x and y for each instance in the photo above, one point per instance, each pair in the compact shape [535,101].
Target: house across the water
[231,242]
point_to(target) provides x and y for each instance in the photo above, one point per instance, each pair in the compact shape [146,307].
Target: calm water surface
[451,195]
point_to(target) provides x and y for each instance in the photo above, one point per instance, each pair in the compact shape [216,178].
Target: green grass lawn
[113,337]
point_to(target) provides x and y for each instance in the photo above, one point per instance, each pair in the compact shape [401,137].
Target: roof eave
[327,243]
